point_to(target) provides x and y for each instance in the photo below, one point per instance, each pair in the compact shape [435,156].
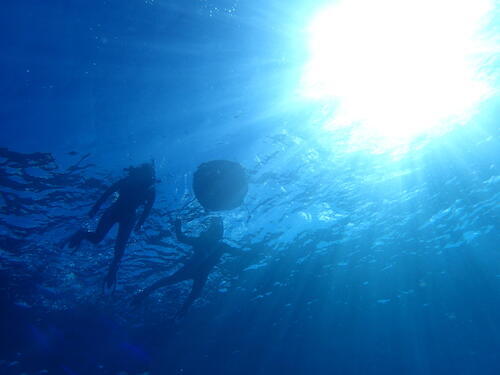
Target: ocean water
[360,260]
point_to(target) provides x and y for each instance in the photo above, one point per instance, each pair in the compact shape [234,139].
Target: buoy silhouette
[220,185]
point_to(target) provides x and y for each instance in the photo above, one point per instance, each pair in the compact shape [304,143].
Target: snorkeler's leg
[105,223]
[177,277]
[107,220]
[124,230]
[198,285]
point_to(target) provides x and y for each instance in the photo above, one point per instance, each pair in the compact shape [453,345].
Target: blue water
[364,263]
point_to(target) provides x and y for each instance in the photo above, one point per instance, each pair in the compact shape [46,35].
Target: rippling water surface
[360,260]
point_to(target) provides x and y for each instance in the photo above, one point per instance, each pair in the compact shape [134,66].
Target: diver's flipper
[109,285]
[75,240]
[64,242]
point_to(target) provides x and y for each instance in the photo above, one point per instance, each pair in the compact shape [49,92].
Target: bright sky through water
[399,69]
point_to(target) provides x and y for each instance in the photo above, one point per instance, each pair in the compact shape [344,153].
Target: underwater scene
[250,187]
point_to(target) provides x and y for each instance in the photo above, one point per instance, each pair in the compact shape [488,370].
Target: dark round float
[220,185]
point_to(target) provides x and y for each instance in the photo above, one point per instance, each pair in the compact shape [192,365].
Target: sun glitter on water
[397,69]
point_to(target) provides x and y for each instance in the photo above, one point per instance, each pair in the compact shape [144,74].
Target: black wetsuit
[133,193]
[208,251]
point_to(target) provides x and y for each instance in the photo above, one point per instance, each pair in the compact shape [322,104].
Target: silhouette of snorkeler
[134,190]
[208,249]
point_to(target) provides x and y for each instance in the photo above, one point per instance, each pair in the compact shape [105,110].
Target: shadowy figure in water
[208,249]
[135,190]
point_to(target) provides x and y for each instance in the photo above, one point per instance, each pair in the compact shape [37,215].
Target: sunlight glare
[398,69]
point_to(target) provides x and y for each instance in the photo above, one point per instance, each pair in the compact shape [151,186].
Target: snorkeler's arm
[181,236]
[104,196]
[147,209]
